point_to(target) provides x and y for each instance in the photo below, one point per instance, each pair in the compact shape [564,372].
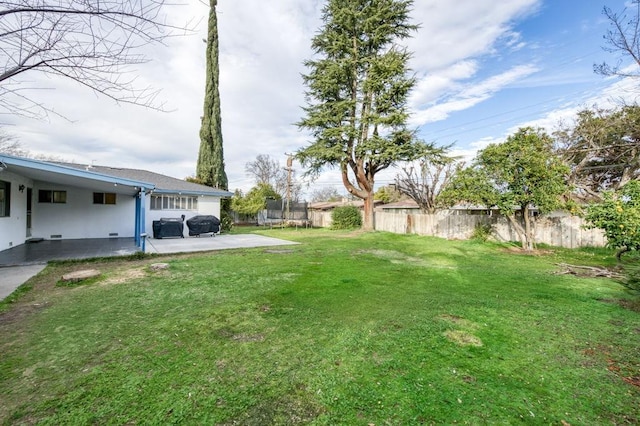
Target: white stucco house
[50,200]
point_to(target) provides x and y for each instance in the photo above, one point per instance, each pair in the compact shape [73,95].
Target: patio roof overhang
[62,175]
[215,193]
[43,171]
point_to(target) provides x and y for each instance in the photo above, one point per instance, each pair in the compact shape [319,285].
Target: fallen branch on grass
[587,271]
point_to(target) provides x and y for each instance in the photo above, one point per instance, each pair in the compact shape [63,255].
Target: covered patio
[44,251]
[33,253]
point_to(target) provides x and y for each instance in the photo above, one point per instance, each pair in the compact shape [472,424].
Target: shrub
[632,272]
[226,221]
[346,217]
[619,217]
[481,232]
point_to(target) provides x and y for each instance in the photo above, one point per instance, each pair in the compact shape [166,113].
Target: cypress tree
[210,170]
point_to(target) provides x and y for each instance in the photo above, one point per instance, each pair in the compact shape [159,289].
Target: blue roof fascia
[188,192]
[70,171]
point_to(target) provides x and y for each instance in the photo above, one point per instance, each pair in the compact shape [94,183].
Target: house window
[156,202]
[48,196]
[5,198]
[104,198]
[174,202]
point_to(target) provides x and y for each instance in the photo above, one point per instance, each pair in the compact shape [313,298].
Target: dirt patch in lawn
[463,335]
[248,338]
[392,256]
[126,275]
[458,321]
[463,338]
[297,407]
[19,312]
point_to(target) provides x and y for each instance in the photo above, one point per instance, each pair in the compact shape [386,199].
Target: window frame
[105,198]
[5,198]
[161,202]
[52,196]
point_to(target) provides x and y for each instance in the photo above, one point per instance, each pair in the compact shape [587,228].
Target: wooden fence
[557,230]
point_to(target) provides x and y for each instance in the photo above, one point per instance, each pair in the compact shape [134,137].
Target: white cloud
[451,32]
[469,95]
[432,86]
[262,49]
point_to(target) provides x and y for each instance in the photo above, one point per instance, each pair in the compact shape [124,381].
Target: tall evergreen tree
[357,92]
[210,170]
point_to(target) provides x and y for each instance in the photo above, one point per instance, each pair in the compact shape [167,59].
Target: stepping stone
[77,276]
[158,266]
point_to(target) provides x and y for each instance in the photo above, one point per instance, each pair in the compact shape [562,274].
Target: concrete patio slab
[13,277]
[44,251]
[207,243]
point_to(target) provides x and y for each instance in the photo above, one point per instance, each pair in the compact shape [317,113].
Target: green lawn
[345,328]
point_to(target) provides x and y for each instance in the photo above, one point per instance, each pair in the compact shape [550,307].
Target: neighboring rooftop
[330,205]
[403,204]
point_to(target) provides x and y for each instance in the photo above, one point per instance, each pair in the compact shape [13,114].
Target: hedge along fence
[555,229]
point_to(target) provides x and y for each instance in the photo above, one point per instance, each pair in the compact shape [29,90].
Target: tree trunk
[519,230]
[528,230]
[620,252]
[368,220]
[364,192]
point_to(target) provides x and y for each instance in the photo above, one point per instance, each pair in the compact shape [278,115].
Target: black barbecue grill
[203,225]
[168,227]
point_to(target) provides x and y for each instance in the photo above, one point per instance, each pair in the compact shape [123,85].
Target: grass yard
[345,328]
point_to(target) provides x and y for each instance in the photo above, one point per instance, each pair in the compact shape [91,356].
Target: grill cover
[168,227]
[203,225]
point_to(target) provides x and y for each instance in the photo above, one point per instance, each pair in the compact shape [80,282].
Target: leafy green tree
[387,194]
[210,169]
[619,216]
[357,90]
[255,200]
[518,175]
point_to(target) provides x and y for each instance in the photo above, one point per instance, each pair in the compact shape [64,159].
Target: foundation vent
[56,236]
[113,234]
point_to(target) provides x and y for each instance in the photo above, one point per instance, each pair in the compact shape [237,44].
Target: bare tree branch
[92,42]
[10,145]
[622,39]
[267,170]
[422,182]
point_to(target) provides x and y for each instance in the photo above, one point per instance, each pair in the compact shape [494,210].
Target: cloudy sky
[484,68]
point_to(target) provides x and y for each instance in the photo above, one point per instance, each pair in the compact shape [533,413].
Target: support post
[139,227]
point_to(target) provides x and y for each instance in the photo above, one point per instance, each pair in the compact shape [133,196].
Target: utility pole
[289,170]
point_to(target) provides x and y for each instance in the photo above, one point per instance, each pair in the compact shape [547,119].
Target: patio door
[29,205]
